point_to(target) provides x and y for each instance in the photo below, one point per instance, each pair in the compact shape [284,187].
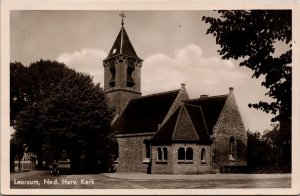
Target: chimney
[182,85]
[203,96]
[231,89]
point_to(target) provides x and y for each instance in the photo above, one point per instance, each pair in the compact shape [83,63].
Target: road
[43,180]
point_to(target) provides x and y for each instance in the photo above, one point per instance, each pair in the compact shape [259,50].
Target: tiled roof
[167,130]
[211,108]
[199,121]
[184,129]
[187,124]
[143,114]
[122,45]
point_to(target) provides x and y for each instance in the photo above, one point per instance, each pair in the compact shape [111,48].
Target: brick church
[167,132]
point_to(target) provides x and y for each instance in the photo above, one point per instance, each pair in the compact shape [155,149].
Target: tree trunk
[75,162]
[40,160]
[19,164]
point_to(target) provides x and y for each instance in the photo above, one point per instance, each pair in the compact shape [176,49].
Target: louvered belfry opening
[112,70]
[130,71]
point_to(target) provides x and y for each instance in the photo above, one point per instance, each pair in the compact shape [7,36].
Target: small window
[147,146]
[159,154]
[114,51]
[232,149]
[203,155]
[181,154]
[189,153]
[165,151]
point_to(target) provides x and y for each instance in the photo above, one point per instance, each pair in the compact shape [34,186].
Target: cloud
[202,75]
[188,65]
[206,75]
[87,60]
[161,72]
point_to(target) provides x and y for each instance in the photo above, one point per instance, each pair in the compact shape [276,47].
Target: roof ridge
[199,106]
[122,37]
[176,123]
[201,116]
[122,46]
[154,94]
[189,116]
[162,126]
[205,98]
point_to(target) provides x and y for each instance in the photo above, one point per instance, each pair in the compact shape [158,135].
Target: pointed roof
[184,129]
[165,133]
[198,119]
[122,46]
[211,107]
[144,114]
[187,124]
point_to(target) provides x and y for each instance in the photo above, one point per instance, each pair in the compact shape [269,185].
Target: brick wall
[137,75]
[164,166]
[175,166]
[229,125]
[119,95]
[118,99]
[107,76]
[132,153]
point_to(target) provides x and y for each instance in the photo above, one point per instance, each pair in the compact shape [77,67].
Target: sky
[173,44]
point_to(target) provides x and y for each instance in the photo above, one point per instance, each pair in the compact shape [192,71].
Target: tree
[77,118]
[66,113]
[250,36]
[280,145]
[28,86]
[16,152]
[18,89]
[31,84]
[29,132]
[257,153]
[268,152]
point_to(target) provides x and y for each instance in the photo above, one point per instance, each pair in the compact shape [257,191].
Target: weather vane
[122,16]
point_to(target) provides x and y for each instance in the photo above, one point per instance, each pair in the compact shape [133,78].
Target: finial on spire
[122,16]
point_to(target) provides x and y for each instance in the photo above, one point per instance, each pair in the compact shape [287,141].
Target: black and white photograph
[192,100]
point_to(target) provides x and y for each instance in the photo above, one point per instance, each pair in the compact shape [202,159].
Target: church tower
[122,72]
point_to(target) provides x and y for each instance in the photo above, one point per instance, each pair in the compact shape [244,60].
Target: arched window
[181,154]
[159,154]
[203,155]
[165,151]
[189,153]
[147,146]
[231,149]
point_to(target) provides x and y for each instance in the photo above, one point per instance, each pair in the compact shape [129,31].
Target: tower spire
[122,44]
[122,16]
[122,72]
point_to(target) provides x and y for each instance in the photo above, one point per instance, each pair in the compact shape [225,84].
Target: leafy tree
[18,89]
[28,130]
[77,118]
[33,83]
[250,36]
[280,144]
[28,86]
[66,113]
[267,152]
[16,152]
[257,152]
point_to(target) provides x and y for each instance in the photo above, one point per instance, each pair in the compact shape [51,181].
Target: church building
[167,132]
